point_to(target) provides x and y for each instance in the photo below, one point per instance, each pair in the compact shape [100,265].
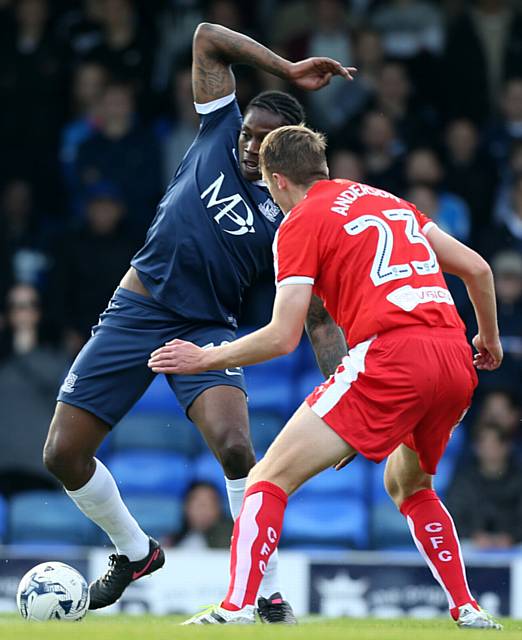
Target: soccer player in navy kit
[210,239]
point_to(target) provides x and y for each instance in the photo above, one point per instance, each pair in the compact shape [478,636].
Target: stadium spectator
[503,409]
[409,27]
[126,48]
[485,497]
[469,172]
[175,24]
[29,373]
[351,101]
[88,264]
[330,36]
[423,167]
[21,232]
[507,128]
[482,46]
[183,129]
[31,68]
[506,234]
[394,97]
[205,524]
[381,151]
[80,27]
[346,164]
[89,84]
[509,174]
[507,270]
[124,153]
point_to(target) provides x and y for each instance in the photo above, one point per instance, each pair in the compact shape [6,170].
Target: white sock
[101,502]
[235,492]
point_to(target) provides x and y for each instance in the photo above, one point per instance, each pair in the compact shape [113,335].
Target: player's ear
[280,180]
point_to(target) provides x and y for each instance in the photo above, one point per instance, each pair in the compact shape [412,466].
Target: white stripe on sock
[430,564]
[248,531]
[459,548]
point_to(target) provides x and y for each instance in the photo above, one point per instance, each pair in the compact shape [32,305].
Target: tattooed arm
[327,339]
[216,48]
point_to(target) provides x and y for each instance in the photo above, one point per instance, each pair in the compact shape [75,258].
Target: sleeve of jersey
[425,223]
[218,114]
[296,253]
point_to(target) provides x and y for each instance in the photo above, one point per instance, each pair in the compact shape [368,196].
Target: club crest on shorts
[69,382]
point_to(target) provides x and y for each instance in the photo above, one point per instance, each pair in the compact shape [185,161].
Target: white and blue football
[53,591]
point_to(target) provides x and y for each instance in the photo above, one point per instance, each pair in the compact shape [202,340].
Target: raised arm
[327,339]
[216,48]
[461,261]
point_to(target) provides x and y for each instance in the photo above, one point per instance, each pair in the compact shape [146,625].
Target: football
[52,591]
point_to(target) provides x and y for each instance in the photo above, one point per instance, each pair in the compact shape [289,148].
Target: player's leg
[221,415]
[433,532]
[216,402]
[106,379]
[305,447]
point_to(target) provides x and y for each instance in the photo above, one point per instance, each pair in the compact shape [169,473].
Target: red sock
[255,538]
[436,538]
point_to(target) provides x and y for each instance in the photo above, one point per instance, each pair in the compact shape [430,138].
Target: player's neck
[296,193]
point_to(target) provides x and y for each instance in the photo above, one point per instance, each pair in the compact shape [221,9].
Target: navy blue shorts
[110,373]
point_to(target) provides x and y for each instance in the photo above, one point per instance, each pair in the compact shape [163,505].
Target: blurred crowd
[97,113]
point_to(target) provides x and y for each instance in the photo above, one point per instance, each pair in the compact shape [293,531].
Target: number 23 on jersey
[382,270]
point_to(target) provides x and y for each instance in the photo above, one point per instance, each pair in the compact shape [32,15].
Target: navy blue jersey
[213,231]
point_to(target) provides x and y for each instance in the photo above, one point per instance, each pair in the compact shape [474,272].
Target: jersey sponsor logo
[69,383]
[234,215]
[408,297]
[270,210]
[347,197]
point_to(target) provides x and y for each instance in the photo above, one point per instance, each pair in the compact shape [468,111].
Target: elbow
[202,33]
[479,269]
[285,344]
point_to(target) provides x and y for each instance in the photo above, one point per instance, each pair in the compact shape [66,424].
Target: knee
[400,490]
[393,489]
[56,459]
[64,462]
[236,455]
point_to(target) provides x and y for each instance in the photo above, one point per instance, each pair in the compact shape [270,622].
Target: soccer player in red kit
[408,378]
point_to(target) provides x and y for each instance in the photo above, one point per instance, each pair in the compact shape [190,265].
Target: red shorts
[407,386]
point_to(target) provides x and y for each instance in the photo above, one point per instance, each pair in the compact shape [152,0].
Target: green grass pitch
[151,628]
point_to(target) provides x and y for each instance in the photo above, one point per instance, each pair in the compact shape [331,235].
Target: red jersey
[367,256]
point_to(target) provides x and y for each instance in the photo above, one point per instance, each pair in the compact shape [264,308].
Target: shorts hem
[368,456]
[211,385]
[87,407]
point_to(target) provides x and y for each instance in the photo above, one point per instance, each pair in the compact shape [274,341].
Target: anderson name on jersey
[213,231]
[366,254]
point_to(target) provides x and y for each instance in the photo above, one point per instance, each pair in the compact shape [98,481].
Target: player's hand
[342,463]
[489,356]
[315,73]
[178,356]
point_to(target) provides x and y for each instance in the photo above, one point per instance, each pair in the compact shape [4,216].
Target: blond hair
[296,152]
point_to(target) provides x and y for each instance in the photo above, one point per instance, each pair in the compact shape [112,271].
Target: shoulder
[219,114]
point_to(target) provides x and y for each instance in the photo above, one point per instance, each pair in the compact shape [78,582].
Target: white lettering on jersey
[347,197]
[408,297]
[245,223]
[382,270]
[270,210]
[69,383]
